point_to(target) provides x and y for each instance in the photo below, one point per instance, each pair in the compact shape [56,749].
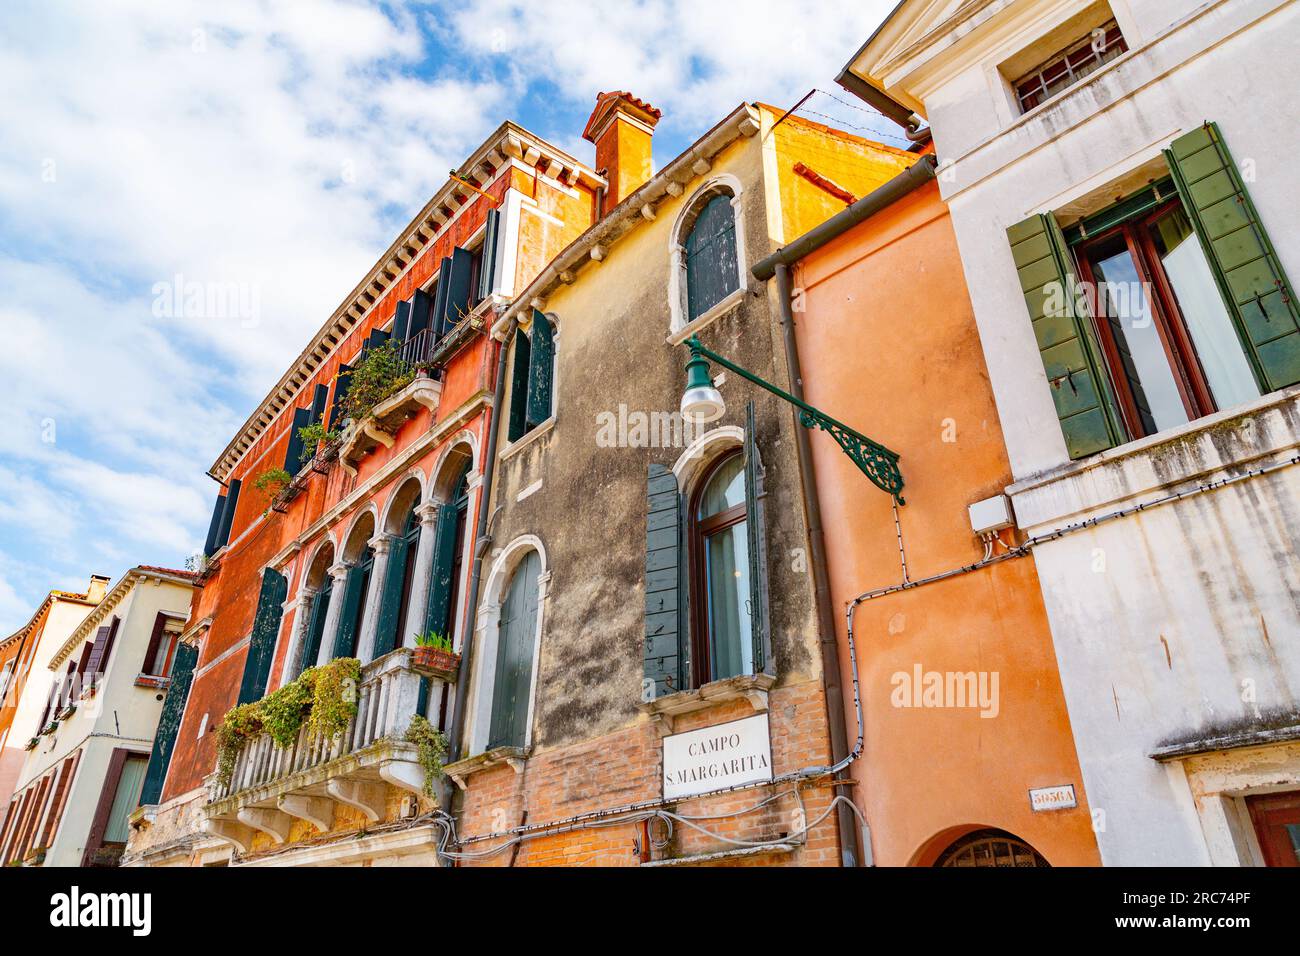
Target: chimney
[98,588]
[621,126]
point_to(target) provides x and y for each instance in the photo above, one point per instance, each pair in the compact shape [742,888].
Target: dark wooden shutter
[320,606]
[755,527]
[375,339]
[421,313]
[155,639]
[342,382]
[541,370]
[83,665]
[294,453]
[228,513]
[1067,344]
[390,598]
[514,665]
[353,591]
[266,628]
[439,320]
[518,423]
[1245,266]
[319,399]
[214,527]
[488,265]
[437,614]
[402,322]
[459,287]
[664,655]
[712,269]
[99,659]
[169,722]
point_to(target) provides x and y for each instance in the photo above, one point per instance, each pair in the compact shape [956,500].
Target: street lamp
[702,403]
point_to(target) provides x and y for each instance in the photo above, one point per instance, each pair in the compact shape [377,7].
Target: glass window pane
[1122,303]
[1217,345]
[726,488]
[126,799]
[727,563]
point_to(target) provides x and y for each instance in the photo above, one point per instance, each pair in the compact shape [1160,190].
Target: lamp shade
[703,404]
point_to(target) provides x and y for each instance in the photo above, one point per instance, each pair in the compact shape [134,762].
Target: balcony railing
[270,785]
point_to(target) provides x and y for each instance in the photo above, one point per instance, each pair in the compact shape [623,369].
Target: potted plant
[433,655]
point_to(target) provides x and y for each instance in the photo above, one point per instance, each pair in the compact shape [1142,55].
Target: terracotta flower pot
[435,660]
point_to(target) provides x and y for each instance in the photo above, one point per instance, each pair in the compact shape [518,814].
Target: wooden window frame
[698,531]
[1267,812]
[107,794]
[1032,83]
[1166,315]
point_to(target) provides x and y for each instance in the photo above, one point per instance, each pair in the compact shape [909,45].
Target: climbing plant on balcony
[321,698]
[431,748]
[377,376]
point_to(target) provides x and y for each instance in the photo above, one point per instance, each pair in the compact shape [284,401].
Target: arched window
[321,582]
[353,612]
[709,253]
[991,848]
[399,579]
[517,631]
[448,558]
[720,570]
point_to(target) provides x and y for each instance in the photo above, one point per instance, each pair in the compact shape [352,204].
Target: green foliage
[431,746]
[433,639]
[380,374]
[313,435]
[322,698]
[271,481]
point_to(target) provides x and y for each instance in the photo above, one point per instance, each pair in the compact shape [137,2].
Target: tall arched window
[720,570]
[448,558]
[712,269]
[353,612]
[514,664]
[399,578]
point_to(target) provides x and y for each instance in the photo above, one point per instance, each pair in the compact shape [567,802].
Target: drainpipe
[778,265]
[481,545]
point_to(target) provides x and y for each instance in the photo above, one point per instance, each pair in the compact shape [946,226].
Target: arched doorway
[990,848]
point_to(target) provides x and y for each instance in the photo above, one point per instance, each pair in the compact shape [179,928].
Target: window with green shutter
[169,723]
[261,644]
[532,381]
[516,640]
[666,650]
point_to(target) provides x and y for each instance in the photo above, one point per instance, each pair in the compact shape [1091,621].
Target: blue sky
[272,150]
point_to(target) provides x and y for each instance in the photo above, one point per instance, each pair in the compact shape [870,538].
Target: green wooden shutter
[214,527]
[459,284]
[402,322]
[754,527]
[266,628]
[342,382]
[1245,266]
[228,513]
[1081,389]
[390,602]
[514,665]
[488,262]
[320,606]
[664,655]
[169,723]
[319,398]
[293,454]
[439,320]
[518,423]
[437,613]
[712,271]
[353,591]
[421,313]
[541,370]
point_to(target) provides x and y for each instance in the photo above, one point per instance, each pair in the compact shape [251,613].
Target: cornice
[111,600]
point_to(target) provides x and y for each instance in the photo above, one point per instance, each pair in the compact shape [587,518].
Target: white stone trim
[715,185]
[701,452]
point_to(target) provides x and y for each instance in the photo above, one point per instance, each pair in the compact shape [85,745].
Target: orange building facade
[968,757]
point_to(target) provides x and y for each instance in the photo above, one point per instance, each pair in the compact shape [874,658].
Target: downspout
[481,545]
[778,264]
[832,685]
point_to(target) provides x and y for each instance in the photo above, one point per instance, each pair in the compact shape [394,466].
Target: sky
[267,153]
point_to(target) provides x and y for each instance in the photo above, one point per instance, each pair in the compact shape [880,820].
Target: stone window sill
[723,856]
[752,687]
[732,300]
[462,770]
[523,441]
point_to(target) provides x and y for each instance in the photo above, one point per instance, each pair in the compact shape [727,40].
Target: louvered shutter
[514,665]
[214,527]
[390,600]
[459,285]
[665,655]
[293,454]
[439,320]
[421,313]
[488,261]
[261,644]
[320,606]
[1245,266]
[228,513]
[169,723]
[541,370]
[437,614]
[83,665]
[518,423]
[98,663]
[319,398]
[755,527]
[402,322]
[1067,344]
[155,640]
[353,591]
[712,269]
[342,382]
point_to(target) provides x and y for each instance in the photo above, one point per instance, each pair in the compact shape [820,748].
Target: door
[514,671]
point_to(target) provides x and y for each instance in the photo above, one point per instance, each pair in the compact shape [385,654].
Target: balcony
[272,787]
[381,425]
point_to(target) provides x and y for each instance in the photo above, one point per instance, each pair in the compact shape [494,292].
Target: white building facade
[1121,182]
